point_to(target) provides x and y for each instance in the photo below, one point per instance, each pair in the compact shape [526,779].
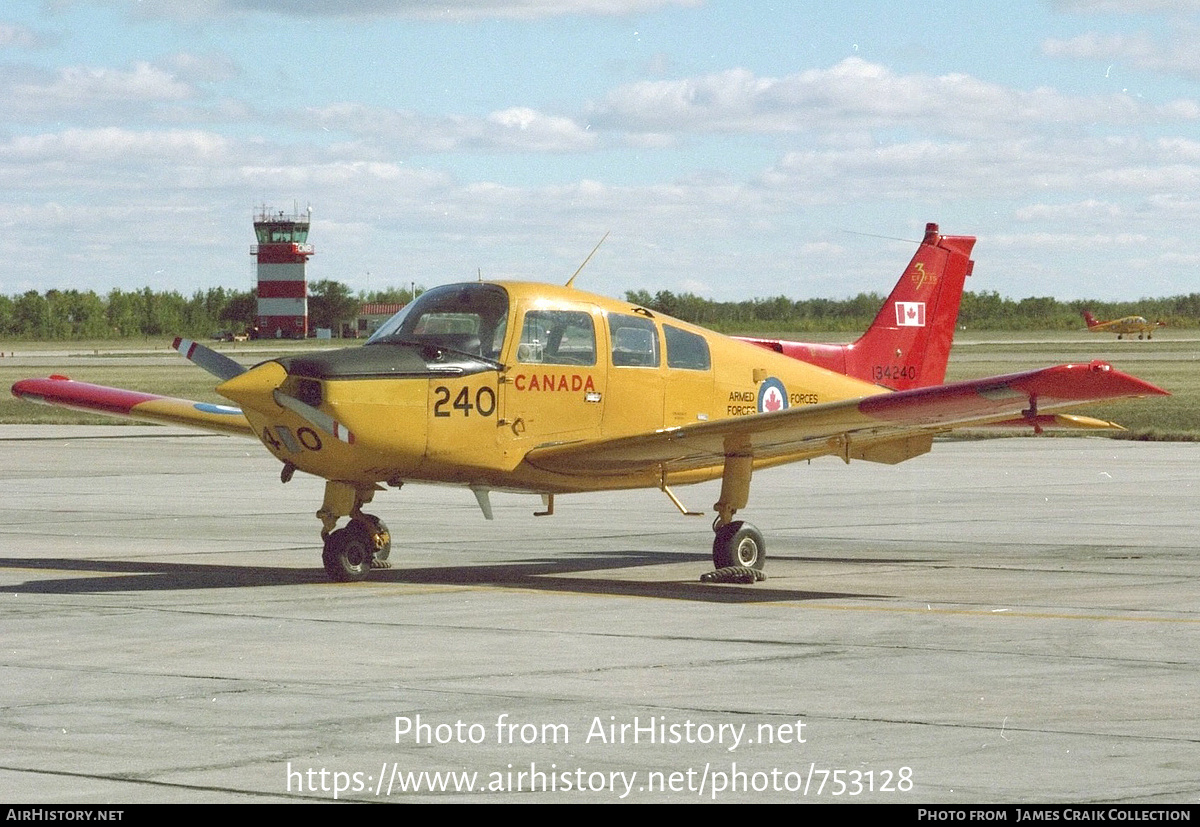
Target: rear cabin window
[685,349]
[634,341]
[557,337]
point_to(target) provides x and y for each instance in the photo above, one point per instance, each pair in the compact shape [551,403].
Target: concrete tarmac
[1000,621]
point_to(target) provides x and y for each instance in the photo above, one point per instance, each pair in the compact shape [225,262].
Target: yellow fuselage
[565,366]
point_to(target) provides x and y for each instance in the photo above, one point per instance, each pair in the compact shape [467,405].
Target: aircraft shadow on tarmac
[540,574]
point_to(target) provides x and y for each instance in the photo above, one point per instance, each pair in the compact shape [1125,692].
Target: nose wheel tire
[348,553]
[739,544]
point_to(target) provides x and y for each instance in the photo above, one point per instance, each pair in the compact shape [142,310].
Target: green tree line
[76,314]
[978,311]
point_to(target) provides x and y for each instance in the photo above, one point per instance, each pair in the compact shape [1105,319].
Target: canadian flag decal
[910,314]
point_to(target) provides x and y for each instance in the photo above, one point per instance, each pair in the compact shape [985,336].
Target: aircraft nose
[256,387]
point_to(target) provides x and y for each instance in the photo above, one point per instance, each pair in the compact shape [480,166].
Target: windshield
[469,318]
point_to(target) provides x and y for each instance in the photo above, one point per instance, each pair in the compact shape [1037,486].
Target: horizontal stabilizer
[1060,421]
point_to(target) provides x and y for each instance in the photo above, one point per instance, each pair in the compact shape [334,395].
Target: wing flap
[84,396]
[887,427]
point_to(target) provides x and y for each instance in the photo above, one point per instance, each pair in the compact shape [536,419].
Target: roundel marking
[207,407]
[772,396]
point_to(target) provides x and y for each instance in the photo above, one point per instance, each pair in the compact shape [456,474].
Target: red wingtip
[1148,389]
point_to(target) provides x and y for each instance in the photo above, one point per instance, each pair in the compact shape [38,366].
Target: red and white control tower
[282,253]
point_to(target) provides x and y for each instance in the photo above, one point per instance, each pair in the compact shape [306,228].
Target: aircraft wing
[83,396]
[888,427]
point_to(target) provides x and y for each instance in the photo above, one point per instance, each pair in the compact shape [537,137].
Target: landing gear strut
[737,543]
[364,544]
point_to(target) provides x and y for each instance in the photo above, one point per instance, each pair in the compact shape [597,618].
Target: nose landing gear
[364,544]
[351,552]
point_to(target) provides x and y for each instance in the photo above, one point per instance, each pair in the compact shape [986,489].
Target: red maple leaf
[773,402]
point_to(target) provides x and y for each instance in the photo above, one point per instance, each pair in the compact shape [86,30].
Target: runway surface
[999,621]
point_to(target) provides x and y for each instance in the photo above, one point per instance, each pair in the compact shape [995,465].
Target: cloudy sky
[733,148]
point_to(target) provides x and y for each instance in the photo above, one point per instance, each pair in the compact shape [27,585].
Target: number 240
[484,403]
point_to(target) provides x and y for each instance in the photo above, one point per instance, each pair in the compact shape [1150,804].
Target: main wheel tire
[348,553]
[739,544]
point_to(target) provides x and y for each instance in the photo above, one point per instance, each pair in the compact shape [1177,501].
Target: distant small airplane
[1126,324]
[527,387]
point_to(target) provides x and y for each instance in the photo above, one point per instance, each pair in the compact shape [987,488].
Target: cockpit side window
[686,350]
[557,337]
[634,341]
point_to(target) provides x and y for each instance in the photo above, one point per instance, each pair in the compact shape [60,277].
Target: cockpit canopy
[467,318]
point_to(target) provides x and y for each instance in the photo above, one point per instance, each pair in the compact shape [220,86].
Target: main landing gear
[363,544]
[737,543]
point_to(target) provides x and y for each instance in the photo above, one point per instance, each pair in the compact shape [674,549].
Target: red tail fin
[908,344]
[1089,319]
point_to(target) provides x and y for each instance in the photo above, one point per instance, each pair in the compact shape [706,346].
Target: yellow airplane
[549,390]
[1122,326]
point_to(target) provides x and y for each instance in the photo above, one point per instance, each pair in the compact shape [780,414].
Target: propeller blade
[217,364]
[314,415]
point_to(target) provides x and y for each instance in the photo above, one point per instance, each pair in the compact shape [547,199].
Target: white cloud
[88,146]
[75,85]
[392,180]
[203,68]
[419,9]
[1180,55]
[526,130]
[1127,6]
[126,154]
[853,94]
[1047,213]
[115,167]
[18,37]
[516,129]
[823,249]
[96,92]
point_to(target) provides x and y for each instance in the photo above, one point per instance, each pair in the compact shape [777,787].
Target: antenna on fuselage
[571,280]
[885,237]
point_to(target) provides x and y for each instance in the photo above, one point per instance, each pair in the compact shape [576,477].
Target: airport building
[282,254]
